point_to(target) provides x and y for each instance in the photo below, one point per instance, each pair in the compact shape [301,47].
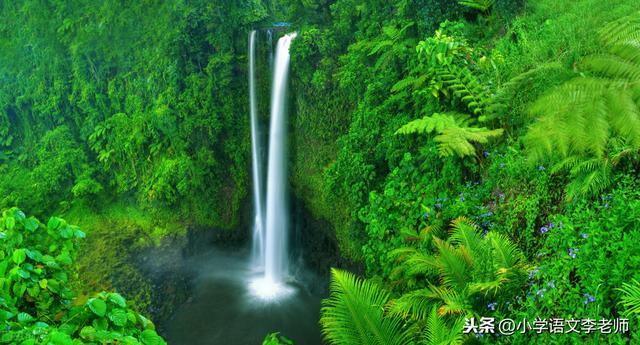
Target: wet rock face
[314,245]
[167,274]
[162,277]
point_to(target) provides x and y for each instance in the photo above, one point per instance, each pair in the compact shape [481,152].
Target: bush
[37,303]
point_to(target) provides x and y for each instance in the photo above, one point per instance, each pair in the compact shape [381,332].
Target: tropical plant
[37,304]
[466,268]
[439,333]
[354,313]
[482,5]
[631,297]
[455,133]
[276,339]
[593,120]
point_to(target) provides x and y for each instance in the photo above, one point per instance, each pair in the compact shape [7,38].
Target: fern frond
[455,136]
[436,122]
[454,266]
[457,141]
[631,297]
[579,120]
[465,233]
[615,65]
[481,5]
[354,313]
[626,29]
[413,305]
[590,177]
[415,262]
[506,254]
[438,333]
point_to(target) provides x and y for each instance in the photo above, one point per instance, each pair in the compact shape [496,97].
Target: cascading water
[231,293]
[257,253]
[275,237]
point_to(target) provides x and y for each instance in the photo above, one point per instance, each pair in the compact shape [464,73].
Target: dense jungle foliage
[475,157]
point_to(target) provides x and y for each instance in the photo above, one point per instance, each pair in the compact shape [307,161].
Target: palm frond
[354,314]
[631,297]
[439,333]
[453,264]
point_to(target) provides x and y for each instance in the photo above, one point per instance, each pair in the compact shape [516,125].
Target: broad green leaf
[66,232]
[118,317]
[25,318]
[97,306]
[150,337]
[5,315]
[19,256]
[117,299]
[88,333]
[31,224]
[10,222]
[54,223]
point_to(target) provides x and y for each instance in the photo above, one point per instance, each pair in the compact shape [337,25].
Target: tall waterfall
[257,253]
[276,254]
[274,242]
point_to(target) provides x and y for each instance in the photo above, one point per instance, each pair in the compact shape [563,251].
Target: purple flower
[541,292]
[572,252]
[606,205]
[588,298]
[461,197]
[584,235]
[541,168]
[552,284]
[544,229]
[533,272]
[486,154]
[438,205]
[501,196]
[492,306]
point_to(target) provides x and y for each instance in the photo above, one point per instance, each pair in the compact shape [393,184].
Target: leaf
[97,306]
[54,223]
[5,315]
[79,233]
[10,223]
[31,224]
[25,318]
[354,313]
[66,232]
[88,333]
[118,317]
[150,337]
[117,299]
[64,258]
[59,338]
[19,256]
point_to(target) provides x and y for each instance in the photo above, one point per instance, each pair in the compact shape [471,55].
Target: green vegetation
[37,301]
[518,125]
[475,157]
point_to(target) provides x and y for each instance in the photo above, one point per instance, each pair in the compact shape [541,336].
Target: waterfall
[276,254]
[257,253]
[273,244]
